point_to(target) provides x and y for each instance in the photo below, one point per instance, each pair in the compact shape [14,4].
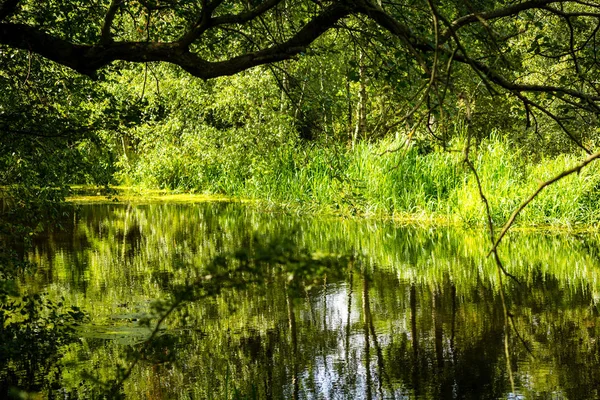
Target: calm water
[417,315]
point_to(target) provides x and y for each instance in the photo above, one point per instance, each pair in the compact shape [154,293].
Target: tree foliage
[536,57]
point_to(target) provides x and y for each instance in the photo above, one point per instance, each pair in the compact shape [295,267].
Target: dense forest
[459,112]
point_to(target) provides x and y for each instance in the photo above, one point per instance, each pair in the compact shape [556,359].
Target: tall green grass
[383,179]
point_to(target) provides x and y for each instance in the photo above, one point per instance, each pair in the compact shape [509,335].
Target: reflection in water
[421,317]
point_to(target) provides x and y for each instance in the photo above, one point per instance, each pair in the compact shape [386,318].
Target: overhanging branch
[87,59]
[494,14]
[577,168]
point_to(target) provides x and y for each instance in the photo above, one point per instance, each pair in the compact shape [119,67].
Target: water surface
[417,315]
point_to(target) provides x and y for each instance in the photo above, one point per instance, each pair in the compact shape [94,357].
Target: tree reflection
[420,315]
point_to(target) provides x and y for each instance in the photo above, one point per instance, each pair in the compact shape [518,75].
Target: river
[315,307]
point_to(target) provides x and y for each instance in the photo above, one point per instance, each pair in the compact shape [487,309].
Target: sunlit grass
[386,180]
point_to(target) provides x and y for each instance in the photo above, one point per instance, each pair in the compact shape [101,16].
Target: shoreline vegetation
[375,180]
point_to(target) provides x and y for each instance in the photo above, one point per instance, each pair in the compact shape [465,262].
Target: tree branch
[87,59]
[494,14]
[206,21]
[488,212]
[7,8]
[105,35]
[415,44]
[541,187]
[203,23]
[247,16]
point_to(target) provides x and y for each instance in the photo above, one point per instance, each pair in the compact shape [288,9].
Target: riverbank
[383,180]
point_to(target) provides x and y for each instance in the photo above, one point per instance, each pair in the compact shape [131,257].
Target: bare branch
[556,119]
[488,213]
[87,59]
[516,87]
[203,23]
[416,45]
[105,35]
[542,186]
[206,20]
[494,14]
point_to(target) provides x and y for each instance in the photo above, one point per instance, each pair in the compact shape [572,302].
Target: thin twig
[521,339]
[541,187]
[484,199]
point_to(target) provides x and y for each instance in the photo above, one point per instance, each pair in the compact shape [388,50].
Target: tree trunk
[360,131]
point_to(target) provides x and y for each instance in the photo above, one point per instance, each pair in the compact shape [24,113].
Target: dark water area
[414,313]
